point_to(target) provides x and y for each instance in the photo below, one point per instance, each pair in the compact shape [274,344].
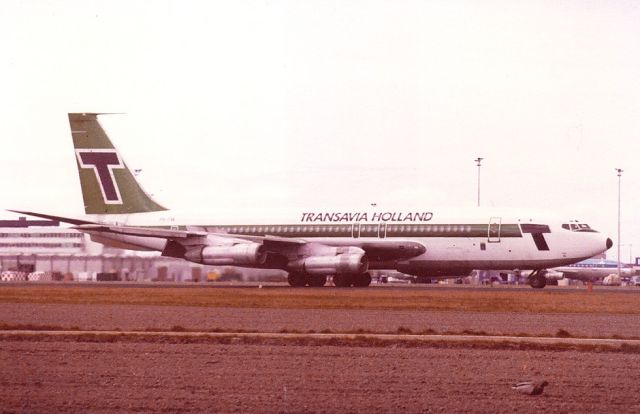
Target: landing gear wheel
[342,280]
[537,280]
[297,279]
[316,280]
[362,280]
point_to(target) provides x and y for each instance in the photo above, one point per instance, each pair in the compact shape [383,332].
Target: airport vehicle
[395,277]
[612,280]
[590,270]
[313,244]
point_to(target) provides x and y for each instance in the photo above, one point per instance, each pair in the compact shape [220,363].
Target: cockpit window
[575,226]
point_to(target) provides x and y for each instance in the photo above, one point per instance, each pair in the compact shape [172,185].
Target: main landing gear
[537,280]
[359,280]
[300,280]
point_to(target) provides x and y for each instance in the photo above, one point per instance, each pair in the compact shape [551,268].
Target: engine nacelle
[237,254]
[346,263]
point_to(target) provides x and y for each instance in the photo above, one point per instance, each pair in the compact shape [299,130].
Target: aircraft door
[355,232]
[494,229]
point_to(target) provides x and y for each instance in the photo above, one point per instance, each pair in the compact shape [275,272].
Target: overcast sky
[322,103]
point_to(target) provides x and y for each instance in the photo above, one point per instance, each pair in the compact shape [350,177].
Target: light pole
[478,163]
[619,170]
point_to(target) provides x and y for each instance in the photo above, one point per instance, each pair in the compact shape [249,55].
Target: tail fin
[108,187]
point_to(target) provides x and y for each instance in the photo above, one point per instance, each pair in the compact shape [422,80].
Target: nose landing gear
[537,280]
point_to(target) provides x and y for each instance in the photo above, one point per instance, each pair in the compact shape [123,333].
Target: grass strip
[560,333]
[525,300]
[356,341]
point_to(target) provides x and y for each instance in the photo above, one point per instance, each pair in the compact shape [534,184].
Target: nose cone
[609,243]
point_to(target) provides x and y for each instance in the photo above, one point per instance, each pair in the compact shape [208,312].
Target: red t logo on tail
[103,162]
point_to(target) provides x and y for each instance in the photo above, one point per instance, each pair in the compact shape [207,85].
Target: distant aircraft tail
[108,186]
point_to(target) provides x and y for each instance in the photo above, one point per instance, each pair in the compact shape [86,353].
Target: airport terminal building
[43,240]
[42,250]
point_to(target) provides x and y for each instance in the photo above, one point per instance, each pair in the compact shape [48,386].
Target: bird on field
[530,387]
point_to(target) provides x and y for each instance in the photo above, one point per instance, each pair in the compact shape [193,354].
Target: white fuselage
[454,240]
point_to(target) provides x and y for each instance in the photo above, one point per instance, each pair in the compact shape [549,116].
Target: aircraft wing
[380,250]
[161,233]
[181,240]
[54,218]
[183,235]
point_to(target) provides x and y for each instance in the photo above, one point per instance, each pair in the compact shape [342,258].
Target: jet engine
[237,254]
[347,263]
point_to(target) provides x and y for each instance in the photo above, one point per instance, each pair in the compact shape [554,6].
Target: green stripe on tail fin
[108,187]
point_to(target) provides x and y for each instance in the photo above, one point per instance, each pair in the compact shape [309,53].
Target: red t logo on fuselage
[103,162]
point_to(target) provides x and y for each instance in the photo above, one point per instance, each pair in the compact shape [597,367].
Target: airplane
[590,270]
[313,244]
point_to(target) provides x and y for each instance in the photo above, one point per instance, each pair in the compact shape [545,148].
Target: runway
[270,285]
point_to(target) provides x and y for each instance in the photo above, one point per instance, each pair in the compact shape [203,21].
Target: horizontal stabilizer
[69,220]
